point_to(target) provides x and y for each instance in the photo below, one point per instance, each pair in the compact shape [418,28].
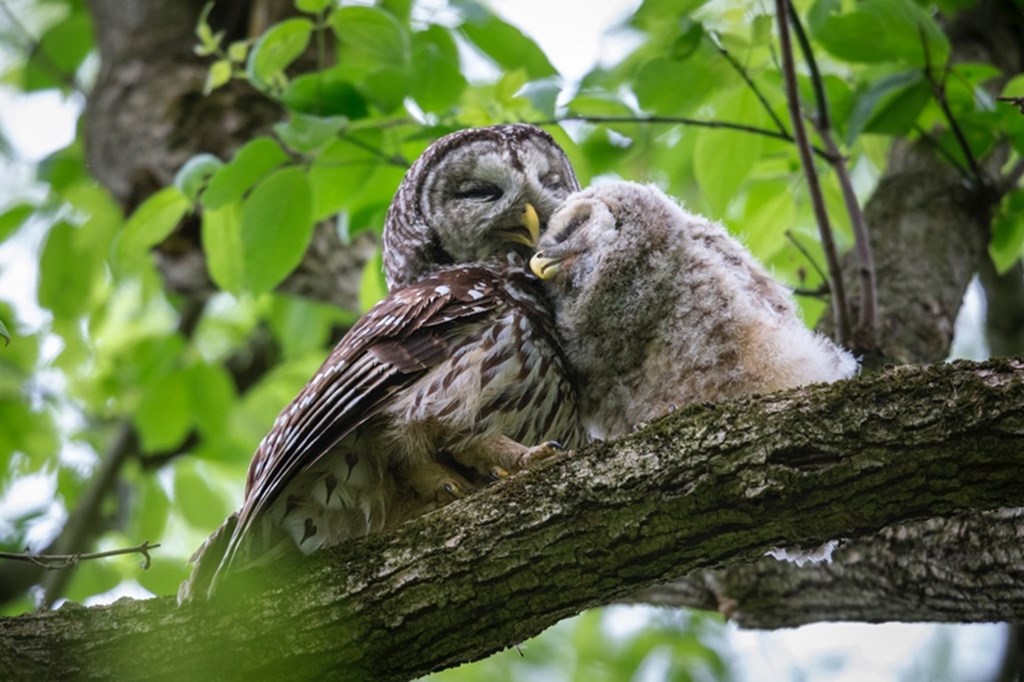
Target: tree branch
[708,486]
[840,308]
[52,562]
[675,120]
[924,571]
[865,337]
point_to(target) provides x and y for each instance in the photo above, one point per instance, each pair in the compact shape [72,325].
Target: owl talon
[497,473]
[449,492]
[546,449]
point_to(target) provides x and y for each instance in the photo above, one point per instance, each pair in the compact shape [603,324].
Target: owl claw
[449,491]
[546,449]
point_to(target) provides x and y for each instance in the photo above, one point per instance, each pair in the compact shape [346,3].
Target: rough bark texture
[933,569]
[707,487]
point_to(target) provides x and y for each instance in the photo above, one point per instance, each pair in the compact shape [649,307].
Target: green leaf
[222,244]
[302,326]
[341,170]
[373,286]
[194,174]
[369,39]
[4,334]
[218,75]
[1007,244]
[91,578]
[163,576]
[690,34]
[666,86]
[65,282]
[509,47]
[163,418]
[211,394]
[13,218]
[437,81]
[306,134]
[325,93]
[877,31]
[151,223]
[724,158]
[201,505]
[768,213]
[150,511]
[387,88]
[61,49]
[282,44]
[277,224]
[889,105]
[312,6]
[254,161]
[238,51]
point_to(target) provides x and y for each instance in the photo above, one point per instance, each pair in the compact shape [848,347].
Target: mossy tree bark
[706,487]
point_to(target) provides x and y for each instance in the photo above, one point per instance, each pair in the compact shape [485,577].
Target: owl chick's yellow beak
[543,267]
[527,232]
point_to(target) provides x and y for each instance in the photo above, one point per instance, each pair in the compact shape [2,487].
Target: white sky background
[571,33]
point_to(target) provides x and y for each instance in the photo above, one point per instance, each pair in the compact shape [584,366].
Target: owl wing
[398,340]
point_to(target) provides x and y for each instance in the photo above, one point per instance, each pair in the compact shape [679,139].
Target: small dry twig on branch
[52,562]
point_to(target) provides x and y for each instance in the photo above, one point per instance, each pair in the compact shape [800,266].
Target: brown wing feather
[398,340]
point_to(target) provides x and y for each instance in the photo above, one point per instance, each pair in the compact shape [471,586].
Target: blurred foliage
[391,78]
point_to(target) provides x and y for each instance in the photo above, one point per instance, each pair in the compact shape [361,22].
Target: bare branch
[939,93]
[739,68]
[52,562]
[865,339]
[840,306]
[674,120]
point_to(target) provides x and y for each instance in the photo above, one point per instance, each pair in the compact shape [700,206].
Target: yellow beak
[528,221]
[545,268]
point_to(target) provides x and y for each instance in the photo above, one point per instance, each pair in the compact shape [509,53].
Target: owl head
[604,235]
[474,196]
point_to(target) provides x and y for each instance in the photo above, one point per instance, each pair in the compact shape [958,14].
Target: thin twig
[867,323]
[939,92]
[742,72]
[392,159]
[675,120]
[934,143]
[839,303]
[52,562]
[822,291]
[806,254]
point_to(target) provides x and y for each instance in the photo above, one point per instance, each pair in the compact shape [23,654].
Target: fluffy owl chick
[659,307]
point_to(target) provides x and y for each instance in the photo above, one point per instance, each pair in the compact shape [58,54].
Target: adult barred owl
[454,379]
[658,307]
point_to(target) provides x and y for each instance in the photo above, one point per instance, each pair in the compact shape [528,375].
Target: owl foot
[434,481]
[499,456]
[546,449]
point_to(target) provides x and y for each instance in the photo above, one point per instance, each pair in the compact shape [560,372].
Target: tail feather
[206,563]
